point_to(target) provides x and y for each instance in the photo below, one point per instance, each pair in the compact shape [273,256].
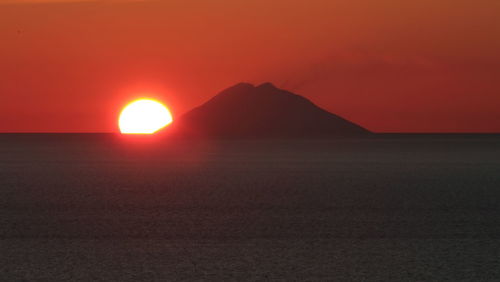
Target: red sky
[389,65]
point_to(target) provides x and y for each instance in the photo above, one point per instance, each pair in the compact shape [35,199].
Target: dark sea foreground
[97,207]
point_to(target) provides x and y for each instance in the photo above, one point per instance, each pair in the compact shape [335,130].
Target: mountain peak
[266,85]
[263,111]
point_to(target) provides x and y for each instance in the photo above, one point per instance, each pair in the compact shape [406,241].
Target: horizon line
[375,133]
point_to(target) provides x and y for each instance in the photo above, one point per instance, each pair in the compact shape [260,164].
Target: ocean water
[90,207]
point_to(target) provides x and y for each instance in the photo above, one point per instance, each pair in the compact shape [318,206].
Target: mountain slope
[262,111]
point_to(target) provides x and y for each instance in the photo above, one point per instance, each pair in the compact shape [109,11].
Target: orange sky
[389,65]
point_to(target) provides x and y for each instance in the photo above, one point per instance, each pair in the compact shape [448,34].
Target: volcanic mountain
[263,111]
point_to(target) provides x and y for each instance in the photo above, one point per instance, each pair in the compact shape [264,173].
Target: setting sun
[144,116]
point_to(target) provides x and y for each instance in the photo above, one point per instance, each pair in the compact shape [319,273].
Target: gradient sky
[388,65]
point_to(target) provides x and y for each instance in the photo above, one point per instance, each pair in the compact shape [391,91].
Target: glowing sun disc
[144,116]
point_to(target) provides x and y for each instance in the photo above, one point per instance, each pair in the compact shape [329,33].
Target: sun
[144,116]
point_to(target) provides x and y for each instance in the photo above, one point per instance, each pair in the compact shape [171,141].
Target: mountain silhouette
[263,111]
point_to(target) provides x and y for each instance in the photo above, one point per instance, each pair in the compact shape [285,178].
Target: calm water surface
[391,208]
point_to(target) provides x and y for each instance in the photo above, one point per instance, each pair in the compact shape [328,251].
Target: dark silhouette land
[263,111]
